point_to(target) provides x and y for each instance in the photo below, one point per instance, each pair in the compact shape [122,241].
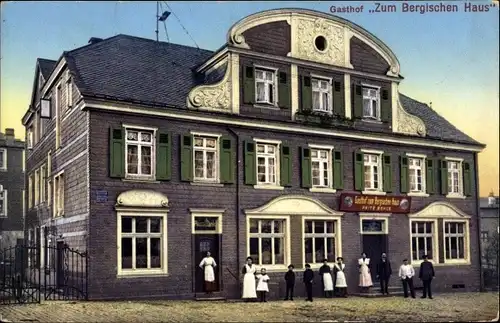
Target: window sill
[374,193]
[269,187]
[143,274]
[266,106]
[456,262]
[139,180]
[455,196]
[418,194]
[368,120]
[322,190]
[3,169]
[273,268]
[207,184]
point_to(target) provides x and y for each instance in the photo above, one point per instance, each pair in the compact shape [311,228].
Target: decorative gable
[440,210]
[142,199]
[294,205]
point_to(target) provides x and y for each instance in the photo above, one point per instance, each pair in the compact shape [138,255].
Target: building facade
[289,144]
[489,214]
[11,189]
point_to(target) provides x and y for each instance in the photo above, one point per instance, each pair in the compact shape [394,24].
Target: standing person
[426,275]
[339,274]
[248,271]
[365,277]
[384,272]
[290,283]
[208,265]
[308,281]
[406,273]
[262,286]
[326,278]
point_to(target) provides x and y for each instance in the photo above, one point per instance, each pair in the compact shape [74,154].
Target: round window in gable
[320,43]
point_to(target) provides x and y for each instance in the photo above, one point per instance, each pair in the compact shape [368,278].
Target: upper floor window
[140,146]
[59,94]
[3,159]
[322,95]
[265,86]
[371,103]
[205,158]
[59,195]
[43,177]
[416,170]
[30,191]
[3,203]
[37,187]
[69,92]
[267,156]
[29,137]
[372,167]
[321,168]
[455,177]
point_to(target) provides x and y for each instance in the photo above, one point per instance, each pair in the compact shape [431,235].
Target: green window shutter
[116,152]
[248,85]
[467,178]
[163,156]
[286,166]
[227,160]
[186,158]
[385,105]
[305,167]
[284,94]
[338,98]
[306,93]
[338,170]
[430,176]
[403,173]
[443,176]
[387,173]
[359,171]
[357,100]
[250,163]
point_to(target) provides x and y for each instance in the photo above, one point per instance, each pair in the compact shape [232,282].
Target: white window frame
[337,235]
[277,146]
[459,161]
[274,84]
[49,191]
[30,191]
[380,155]
[329,150]
[206,213]
[29,139]
[286,240]
[59,194]
[205,136]
[37,187]
[384,217]
[69,91]
[43,180]
[4,159]
[465,235]
[367,97]
[421,193]
[164,242]
[4,197]
[153,146]
[58,114]
[329,91]
[433,235]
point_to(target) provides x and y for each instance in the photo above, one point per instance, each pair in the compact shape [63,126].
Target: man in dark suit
[426,275]
[308,278]
[384,272]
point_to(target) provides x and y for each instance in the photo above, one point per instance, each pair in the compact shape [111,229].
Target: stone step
[210,299]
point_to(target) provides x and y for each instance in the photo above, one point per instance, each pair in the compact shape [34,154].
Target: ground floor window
[320,240]
[454,241]
[266,241]
[422,240]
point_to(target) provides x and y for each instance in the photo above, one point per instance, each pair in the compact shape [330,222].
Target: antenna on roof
[163,18]
[180,23]
[157,18]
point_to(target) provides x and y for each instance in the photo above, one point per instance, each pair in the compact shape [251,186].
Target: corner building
[290,144]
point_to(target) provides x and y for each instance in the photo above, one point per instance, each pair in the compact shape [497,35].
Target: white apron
[208,264]
[365,278]
[249,282]
[262,285]
[327,282]
[340,281]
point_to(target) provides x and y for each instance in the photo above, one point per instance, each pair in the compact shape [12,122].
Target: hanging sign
[352,202]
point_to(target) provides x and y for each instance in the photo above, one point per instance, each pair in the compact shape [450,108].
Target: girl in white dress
[365,277]
[262,286]
[208,264]
[340,281]
[326,277]
[248,271]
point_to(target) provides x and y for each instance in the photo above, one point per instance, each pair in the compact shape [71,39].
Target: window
[454,241]
[266,241]
[58,105]
[205,159]
[3,203]
[374,225]
[3,159]
[321,167]
[422,240]
[69,92]
[484,237]
[41,125]
[455,177]
[49,191]
[42,183]
[37,187]
[30,191]
[265,86]
[142,247]
[320,241]
[140,146]
[371,103]
[59,195]
[267,158]
[29,137]
[372,171]
[59,101]
[322,95]
[416,170]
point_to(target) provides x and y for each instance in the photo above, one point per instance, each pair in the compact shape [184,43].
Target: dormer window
[265,86]
[371,102]
[322,95]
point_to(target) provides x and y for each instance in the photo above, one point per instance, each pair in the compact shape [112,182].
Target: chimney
[9,133]
[94,40]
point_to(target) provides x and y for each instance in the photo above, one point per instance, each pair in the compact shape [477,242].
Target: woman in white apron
[340,281]
[365,277]
[208,264]
[326,277]
[249,291]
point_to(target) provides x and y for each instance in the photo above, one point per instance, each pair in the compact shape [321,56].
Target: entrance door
[60,264]
[374,245]
[202,244]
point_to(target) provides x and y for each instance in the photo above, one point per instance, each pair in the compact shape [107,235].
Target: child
[290,283]
[308,281]
[262,287]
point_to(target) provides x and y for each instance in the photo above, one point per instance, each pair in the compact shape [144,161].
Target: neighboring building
[489,212]
[11,189]
[291,144]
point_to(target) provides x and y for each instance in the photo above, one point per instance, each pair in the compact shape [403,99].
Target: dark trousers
[427,288]
[262,296]
[289,291]
[384,285]
[408,282]
[309,291]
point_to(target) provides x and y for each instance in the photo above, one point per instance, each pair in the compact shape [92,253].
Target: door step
[210,299]
[375,292]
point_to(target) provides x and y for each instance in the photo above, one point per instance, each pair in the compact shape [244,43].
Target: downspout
[238,160]
[478,229]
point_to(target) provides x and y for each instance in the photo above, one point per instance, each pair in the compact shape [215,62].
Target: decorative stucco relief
[142,198]
[294,204]
[408,123]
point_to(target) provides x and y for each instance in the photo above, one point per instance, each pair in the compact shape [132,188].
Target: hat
[250,258]
[340,258]
[405,260]
[290,266]
[325,260]
[308,266]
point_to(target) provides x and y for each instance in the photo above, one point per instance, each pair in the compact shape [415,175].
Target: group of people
[334,283]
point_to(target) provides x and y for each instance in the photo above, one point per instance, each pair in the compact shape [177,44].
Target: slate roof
[142,70]
[46,66]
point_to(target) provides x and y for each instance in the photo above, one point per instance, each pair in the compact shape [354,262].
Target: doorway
[374,241]
[202,244]
[60,277]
